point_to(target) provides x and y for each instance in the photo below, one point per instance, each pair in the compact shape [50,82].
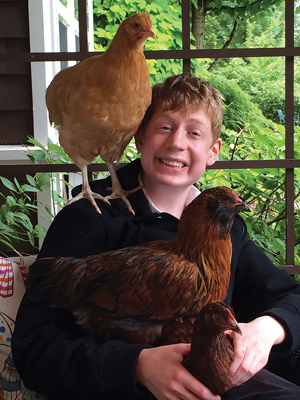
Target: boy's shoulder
[127,174]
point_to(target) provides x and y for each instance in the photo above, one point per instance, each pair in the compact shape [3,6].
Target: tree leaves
[263,189]
[15,213]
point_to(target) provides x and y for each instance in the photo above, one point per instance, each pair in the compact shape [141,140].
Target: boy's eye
[165,128]
[195,133]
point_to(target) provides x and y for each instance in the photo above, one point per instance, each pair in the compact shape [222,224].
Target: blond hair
[188,92]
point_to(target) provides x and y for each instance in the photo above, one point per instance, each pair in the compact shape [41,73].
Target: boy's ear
[214,152]
[139,139]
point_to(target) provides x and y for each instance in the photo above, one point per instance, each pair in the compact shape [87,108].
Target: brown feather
[133,293]
[98,104]
[211,353]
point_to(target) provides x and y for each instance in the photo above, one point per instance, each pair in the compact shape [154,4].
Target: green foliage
[52,154]
[263,190]
[221,16]
[263,79]
[108,14]
[239,108]
[16,212]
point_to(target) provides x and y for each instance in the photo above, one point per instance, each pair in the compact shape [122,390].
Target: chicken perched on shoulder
[133,293]
[211,353]
[98,104]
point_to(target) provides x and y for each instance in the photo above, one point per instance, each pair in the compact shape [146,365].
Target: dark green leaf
[10,185]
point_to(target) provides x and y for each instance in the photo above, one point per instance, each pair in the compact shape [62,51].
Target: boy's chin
[174,182]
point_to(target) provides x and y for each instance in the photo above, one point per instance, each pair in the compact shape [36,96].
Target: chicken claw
[117,190]
[86,192]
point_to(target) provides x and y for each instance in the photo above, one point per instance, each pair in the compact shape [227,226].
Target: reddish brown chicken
[98,104]
[211,353]
[132,293]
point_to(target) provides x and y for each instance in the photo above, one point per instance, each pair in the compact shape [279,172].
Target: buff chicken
[211,353]
[133,293]
[98,104]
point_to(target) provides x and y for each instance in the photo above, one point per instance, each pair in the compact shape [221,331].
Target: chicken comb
[145,20]
[148,21]
[238,199]
[231,316]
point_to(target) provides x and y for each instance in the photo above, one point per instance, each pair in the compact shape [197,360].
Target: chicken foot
[117,190]
[86,192]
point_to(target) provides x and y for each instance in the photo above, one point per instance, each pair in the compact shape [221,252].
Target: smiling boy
[178,150]
[178,138]
[181,137]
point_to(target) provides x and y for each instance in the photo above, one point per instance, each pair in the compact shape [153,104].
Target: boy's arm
[52,353]
[55,357]
[260,288]
[267,304]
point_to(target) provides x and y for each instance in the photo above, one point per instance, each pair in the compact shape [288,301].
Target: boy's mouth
[174,164]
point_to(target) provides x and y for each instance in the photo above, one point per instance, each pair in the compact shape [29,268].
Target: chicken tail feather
[60,278]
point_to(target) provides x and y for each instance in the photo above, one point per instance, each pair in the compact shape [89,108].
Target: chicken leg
[86,192]
[117,190]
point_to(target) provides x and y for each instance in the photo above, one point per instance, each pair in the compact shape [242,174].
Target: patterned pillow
[13,272]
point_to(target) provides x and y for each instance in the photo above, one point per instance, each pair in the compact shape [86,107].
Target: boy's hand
[252,349]
[161,371]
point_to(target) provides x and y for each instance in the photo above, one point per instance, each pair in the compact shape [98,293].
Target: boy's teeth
[172,163]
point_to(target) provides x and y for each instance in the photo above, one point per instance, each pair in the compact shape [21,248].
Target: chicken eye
[136,24]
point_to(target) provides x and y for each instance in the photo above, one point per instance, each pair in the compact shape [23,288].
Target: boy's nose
[177,140]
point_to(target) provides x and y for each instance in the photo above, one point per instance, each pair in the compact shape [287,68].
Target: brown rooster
[98,104]
[211,353]
[132,293]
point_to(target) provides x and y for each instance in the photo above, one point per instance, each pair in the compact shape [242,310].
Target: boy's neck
[169,199]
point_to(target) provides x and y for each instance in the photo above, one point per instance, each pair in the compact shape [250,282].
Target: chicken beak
[236,328]
[233,324]
[239,202]
[152,34]
[242,204]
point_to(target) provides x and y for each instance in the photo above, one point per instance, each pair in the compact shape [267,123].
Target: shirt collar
[193,193]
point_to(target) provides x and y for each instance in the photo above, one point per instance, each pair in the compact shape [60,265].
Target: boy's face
[176,147]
